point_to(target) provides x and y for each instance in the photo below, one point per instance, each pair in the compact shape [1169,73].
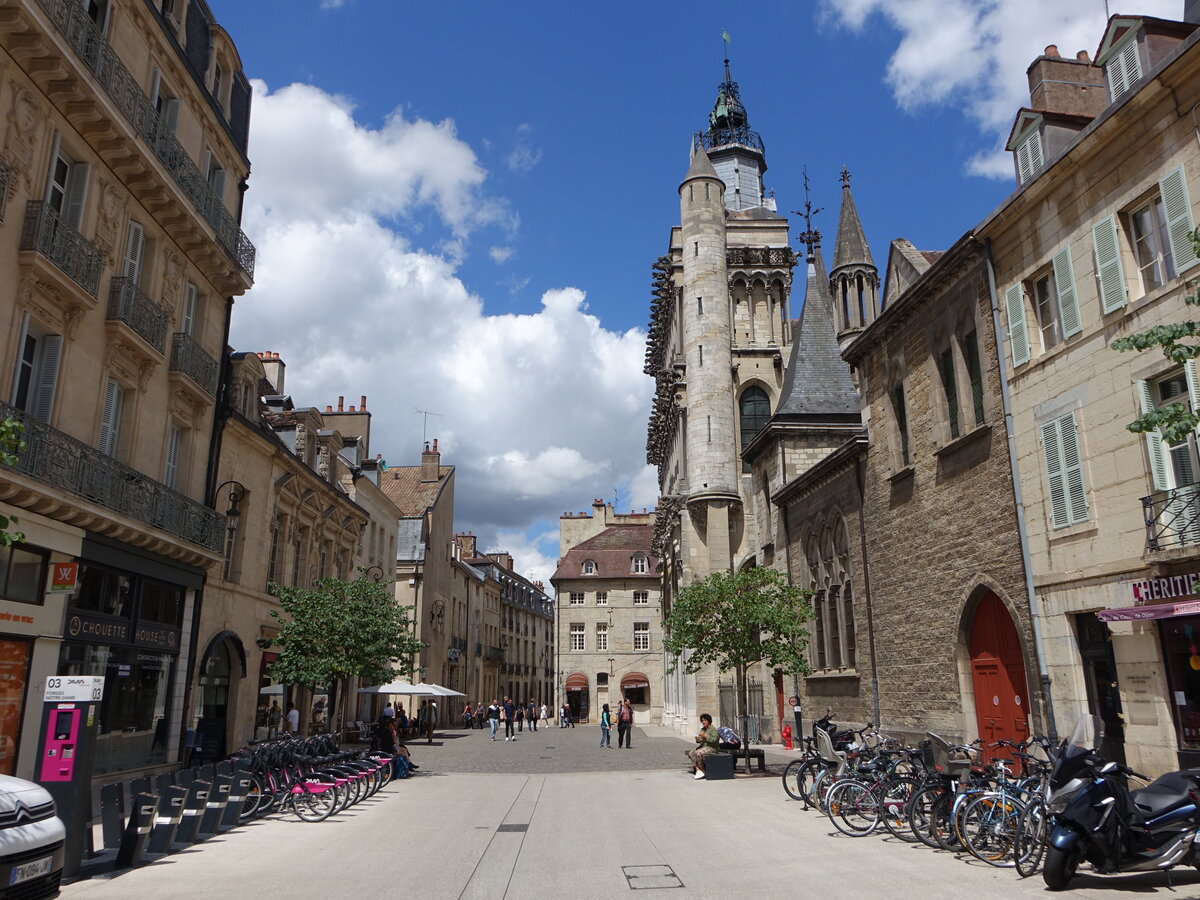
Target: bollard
[193,809]
[224,767]
[166,823]
[218,799]
[206,773]
[185,777]
[237,802]
[111,815]
[137,830]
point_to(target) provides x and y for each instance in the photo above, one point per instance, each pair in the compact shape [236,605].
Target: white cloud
[973,55]
[535,557]
[524,155]
[501,254]
[359,237]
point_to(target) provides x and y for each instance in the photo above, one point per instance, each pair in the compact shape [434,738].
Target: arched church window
[755,409]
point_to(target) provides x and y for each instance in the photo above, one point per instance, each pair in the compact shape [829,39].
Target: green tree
[737,619]
[1175,421]
[337,630]
[11,446]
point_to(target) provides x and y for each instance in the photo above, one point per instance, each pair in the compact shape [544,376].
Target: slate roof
[818,381]
[410,544]
[851,248]
[612,551]
[701,166]
[404,487]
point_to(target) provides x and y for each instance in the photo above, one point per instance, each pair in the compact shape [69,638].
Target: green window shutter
[1109,272]
[1072,468]
[1054,475]
[1154,445]
[1179,219]
[1018,334]
[1068,300]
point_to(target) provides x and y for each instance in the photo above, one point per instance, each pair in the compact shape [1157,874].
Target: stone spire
[818,383]
[854,280]
[736,152]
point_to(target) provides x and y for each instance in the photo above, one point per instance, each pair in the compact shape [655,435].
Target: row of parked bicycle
[311,777]
[1032,805]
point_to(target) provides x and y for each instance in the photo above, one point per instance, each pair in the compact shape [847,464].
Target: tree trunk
[743,711]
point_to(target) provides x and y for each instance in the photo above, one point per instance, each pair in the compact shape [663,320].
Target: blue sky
[456,204]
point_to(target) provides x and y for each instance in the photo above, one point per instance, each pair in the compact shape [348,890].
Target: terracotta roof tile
[612,551]
[404,487]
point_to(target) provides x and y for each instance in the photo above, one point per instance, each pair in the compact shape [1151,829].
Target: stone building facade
[608,592]
[1094,246]
[122,162]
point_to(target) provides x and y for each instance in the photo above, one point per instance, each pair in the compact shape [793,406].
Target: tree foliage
[736,619]
[11,447]
[1175,421]
[337,630]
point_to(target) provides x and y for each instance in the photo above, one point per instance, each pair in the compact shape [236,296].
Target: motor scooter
[1097,819]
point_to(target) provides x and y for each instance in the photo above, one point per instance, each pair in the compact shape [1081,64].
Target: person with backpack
[493,717]
[625,725]
[520,719]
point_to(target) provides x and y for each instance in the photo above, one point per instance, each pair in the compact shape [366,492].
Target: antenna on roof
[809,237]
[424,421]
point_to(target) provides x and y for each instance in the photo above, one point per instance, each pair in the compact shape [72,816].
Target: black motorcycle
[1097,819]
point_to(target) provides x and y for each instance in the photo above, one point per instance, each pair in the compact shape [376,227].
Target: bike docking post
[237,801]
[137,831]
[166,823]
[112,815]
[218,799]
[193,809]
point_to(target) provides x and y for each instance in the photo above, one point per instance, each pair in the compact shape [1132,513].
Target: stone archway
[997,671]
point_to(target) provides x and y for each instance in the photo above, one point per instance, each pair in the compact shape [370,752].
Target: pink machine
[62,741]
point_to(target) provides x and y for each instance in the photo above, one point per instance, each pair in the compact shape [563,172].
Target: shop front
[125,621]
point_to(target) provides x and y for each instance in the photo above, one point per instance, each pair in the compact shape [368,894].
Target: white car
[31,841]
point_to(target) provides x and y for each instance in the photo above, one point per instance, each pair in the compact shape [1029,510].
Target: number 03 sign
[74,688]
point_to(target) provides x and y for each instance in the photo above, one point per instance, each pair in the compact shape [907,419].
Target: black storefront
[125,620]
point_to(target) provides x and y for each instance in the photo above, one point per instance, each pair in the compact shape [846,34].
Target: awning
[1153,611]
[634,680]
[577,682]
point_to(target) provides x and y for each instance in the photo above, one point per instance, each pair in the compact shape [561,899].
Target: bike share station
[142,819]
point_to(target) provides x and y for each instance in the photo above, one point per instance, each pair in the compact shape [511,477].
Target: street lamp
[236,492]
[437,612]
[375,573]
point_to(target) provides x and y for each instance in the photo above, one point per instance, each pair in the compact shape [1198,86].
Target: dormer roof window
[589,567]
[1123,68]
[1026,144]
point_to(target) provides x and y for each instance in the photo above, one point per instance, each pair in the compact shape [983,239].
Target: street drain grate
[524,827]
[643,878]
[545,757]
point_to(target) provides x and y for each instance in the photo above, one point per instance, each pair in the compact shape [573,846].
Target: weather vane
[810,237]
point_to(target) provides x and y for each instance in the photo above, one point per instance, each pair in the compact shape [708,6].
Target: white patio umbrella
[399,688]
[438,691]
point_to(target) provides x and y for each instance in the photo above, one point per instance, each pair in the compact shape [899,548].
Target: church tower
[719,336]
[854,280]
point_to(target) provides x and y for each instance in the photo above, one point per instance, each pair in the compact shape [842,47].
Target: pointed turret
[818,383]
[736,151]
[854,281]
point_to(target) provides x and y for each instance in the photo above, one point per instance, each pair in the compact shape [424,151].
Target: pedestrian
[274,716]
[605,728]
[493,717]
[468,718]
[480,714]
[401,721]
[545,714]
[510,717]
[431,714]
[706,745]
[293,719]
[625,725]
[531,713]
[520,718]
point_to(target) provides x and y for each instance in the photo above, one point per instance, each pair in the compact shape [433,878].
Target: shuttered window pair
[1064,472]
[110,418]
[1124,69]
[1171,467]
[35,376]
[1057,308]
[1029,156]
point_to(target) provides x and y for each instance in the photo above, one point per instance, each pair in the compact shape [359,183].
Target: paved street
[574,826]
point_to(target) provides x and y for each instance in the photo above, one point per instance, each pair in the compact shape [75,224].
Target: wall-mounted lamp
[437,612]
[236,493]
[375,573]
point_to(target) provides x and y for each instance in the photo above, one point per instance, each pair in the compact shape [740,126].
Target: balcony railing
[188,357]
[72,21]
[493,653]
[46,232]
[61,460]
[145,317]
[478,649]
[5,178]
[1172,518]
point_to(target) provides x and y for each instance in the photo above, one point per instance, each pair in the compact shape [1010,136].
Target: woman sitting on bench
[706,742]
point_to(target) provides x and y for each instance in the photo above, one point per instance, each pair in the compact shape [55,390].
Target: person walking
[493,717]
[531,713]
[431,714]
[625,725]
[605,728]
[545,714]
[467,717]
[274,717]
[520,719]
[293,719]
[480,714]
[510,717]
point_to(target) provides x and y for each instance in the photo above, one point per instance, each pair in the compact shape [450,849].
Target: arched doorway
[577,696]
[224,659]
[998,673]
[635,687]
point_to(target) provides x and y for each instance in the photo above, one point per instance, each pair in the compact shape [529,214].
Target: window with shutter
[1018,335]
[135,243]
[1124,69]
[1029,156]
[1064,285]
[188,322]
[1178,209]
[110,418]
[1064,472]
[1110,275]
[47,377]
[171,463]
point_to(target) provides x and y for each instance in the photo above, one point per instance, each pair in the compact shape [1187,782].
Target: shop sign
[1169,587]
[156,636]
[83,627]
[64,576]
[1153,611]
[74,688]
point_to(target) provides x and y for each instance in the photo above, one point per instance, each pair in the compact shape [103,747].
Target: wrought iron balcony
[5,178]
[1172,518]
[145,317]
[478,649]
[46,232]
[61,460]
[72,21]
[493,653]
[188,357]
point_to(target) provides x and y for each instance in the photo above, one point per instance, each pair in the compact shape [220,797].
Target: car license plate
[28,870]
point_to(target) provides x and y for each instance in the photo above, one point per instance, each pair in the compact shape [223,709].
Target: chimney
[1069,86]
[430,462]
[273,368]
[341,400]
[362,403]
[466,543]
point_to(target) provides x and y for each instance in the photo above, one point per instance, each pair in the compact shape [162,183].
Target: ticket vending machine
[70,718]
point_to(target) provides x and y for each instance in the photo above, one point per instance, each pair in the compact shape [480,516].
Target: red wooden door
[998,674]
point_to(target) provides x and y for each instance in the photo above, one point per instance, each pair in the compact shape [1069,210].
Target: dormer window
[1029,156]
[589,567]
[1124,68]
[639,564]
